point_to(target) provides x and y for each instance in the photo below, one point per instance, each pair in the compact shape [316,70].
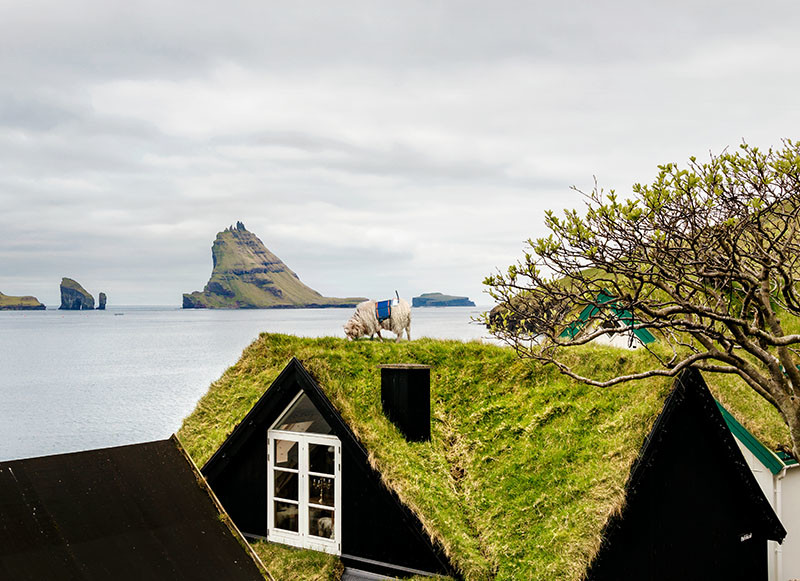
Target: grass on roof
[287,563]
[524,466]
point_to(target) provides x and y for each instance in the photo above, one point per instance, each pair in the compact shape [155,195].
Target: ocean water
[76,380]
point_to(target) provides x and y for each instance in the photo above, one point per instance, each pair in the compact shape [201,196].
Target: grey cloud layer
[427,138]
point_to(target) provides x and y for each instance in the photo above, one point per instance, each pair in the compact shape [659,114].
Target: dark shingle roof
[130,512]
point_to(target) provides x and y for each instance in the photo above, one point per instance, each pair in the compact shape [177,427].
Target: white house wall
[762,473]
[786,556]
[790,507]
[622,340]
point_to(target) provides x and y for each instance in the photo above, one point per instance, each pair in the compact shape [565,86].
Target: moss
[524,466]
[290,564]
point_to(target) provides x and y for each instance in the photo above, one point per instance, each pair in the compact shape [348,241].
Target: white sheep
[364,321]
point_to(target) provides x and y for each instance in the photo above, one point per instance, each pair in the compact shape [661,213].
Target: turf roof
[524,466]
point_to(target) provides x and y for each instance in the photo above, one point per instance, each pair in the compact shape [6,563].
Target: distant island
[74,297]
[246,275]
[26,303]
[441,300]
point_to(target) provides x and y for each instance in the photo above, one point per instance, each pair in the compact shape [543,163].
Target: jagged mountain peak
[246,274]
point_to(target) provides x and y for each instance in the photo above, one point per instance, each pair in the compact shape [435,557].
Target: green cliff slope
[27,303]
[247,275]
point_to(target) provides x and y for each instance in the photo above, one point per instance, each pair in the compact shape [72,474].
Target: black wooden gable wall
[693,508]
[379,533]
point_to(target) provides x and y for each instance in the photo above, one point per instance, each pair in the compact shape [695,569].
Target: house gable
[607,302]
[379,533]
[693,508]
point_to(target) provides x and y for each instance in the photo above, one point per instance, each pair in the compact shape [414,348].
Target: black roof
[693,509]
[132,512]
[690,388]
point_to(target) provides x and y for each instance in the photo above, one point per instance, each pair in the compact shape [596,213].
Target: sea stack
[74,297]
[101,302]
[246,275]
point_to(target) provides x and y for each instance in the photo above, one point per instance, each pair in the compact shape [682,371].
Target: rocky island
[440,300]
[26,303]
[74,297]
[246,275]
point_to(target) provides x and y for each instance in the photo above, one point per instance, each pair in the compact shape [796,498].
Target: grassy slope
[7,302]
[240,251]
[74,285]
[524,466]
[288,563]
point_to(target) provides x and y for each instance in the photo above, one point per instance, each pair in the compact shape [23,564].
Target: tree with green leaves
[706,258]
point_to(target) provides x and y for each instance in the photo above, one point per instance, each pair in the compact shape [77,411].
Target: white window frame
[302,538]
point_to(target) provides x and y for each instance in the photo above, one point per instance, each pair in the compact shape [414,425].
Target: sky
[373,146]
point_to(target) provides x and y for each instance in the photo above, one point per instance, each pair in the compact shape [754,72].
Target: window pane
[303,417]
[320,458]
[320,522]
[286,485]
[320,490]
[286,454]
[286,516]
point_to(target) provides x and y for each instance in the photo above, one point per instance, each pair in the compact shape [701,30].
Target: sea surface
[77,380]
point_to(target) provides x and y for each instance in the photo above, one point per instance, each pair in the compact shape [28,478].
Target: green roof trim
[786,458]
[623,315]
[766,456]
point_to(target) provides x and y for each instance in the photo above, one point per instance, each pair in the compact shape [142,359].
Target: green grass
[254,277]
[290,564]
[524,466]
[26,302]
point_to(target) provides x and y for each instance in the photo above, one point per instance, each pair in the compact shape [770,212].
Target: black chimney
[406,399]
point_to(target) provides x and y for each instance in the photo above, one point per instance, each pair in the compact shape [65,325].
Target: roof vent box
[406,399]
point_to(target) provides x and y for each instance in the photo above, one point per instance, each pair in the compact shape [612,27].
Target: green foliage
[524,466]
[706,257]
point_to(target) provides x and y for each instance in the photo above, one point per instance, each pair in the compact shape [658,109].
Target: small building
[127,513]
[566,482]
[605,313]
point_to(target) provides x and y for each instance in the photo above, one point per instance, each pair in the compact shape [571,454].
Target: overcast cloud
[373,146]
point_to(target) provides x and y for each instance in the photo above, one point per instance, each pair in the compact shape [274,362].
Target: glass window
[304,479]
[286,485]
[321,522]
[303,416]
[286,516]
[321,458]
[320,490]
[286,454]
